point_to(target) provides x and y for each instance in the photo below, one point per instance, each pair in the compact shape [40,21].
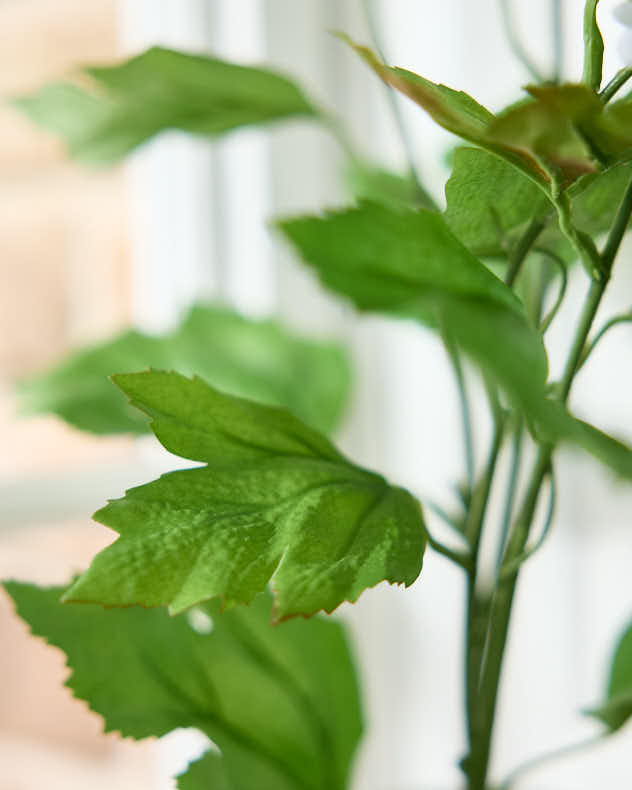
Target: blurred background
[86,252]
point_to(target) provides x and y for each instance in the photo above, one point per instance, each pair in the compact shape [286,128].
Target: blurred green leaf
[281,703]
[370,182]
[276,500]
[122,106]
[409,264]
[617,707]
[255,359]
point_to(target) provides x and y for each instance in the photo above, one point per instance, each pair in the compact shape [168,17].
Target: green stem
[522,248]
[617,82]
[511,492]
[478,606]
[464,405]
[548,757]
[624,318]
[545,323]
[483,721]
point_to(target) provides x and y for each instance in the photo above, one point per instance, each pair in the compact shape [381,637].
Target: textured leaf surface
[410,264]
[617,707]
[490,202]
[256,359]
[275,501]
[160,89]
[280,703]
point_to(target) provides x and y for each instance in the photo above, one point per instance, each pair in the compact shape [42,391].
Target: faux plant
[273,521]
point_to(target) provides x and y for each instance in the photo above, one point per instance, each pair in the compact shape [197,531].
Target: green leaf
[255,359]
[593,47]
[558,425]
[617,707]
[455,111]
[276,501]
[280,703]
[595,198]
[370,182]
[552,126]
[490,202]
[410,265]
[125,105]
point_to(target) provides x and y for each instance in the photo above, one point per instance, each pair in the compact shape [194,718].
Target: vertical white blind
[198,216]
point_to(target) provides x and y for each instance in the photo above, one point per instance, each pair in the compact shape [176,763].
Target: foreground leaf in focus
[280,703]
[119,107]
[275,501]
[255,359]
[616,710]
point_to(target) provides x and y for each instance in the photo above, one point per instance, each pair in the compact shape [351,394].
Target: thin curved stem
[458,557]
[466,413]
[624,318]
[511,493]
[515,43]
[548,319]
[512,567]
[548,757]
[521,250]
[615,84]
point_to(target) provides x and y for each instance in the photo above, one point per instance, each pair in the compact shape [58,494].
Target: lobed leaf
[616,709]
[256,359]
[125,105]
[281,703]
[275,501]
